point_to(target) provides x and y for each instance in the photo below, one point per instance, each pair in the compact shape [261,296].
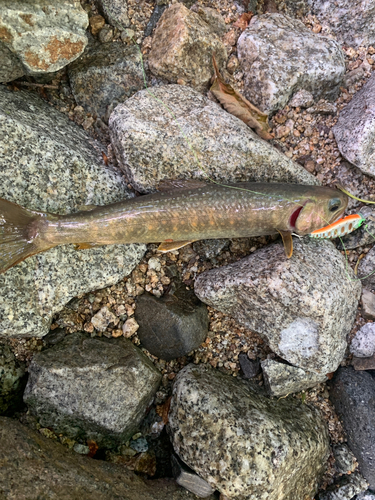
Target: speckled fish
[175,217]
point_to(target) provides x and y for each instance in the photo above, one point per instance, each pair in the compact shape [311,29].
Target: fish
[180,213]
[340,228]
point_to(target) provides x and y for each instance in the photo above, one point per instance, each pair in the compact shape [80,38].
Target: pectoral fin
[288,242]
[168,246]
[84,246]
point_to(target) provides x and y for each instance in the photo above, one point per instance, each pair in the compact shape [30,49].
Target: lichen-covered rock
[353,23]
[182,48]
[242,443]
[355,129]
[96,388]
[151,145]
[11,380]
[280,56]
[116,12]
[47,163]
[304,314]
[10,66]
[45,36]
[106,75]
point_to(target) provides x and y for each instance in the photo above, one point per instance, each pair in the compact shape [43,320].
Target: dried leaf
[105,158]
[243,21]
[93,447]
[163,410]
[238,106]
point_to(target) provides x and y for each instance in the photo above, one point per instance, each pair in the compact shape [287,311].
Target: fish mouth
[293,218]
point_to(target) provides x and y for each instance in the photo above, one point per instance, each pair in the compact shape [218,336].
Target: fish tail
[20,230]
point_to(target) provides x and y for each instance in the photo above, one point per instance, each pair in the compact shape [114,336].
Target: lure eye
[334,204]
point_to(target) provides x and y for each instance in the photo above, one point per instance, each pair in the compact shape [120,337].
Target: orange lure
[339,228]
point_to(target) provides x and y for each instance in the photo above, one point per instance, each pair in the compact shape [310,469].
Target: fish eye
[334,204]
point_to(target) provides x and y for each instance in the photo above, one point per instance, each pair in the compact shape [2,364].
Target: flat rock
[47,163]
[182,48]
[45,36]
[96,388]
[116,12]
[201,140]
[10,66]
[12,380]
[363,343]
[345,488]
[353,23]
[106,75]
[280,56]
[355,128]
[214,423]
[353,395]
[50,470]
[303,314]
[281,379]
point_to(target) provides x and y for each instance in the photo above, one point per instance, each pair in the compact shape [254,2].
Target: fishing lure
[339,228]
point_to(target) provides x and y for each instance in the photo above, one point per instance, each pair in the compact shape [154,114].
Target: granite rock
[10,66]
[363,344]
[12,380]
[302,99]
[345,461]
[106,75]
[355,129]
[353,23]
[345,488]
[366,270]
[151,145]
[353,395]
[215,422]
[281,379]
[93,388]
[47,163]
[182,48]
[116,12]
[303,314]
[280,56]
[366,495]
[45,36]
[212,17]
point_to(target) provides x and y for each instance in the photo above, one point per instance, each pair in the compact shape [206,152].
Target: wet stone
[12,380]
[189,480]
[345,461]
[363,344]
[345,488]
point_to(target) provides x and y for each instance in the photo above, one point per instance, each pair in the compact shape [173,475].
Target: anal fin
[288,242]
[168,246]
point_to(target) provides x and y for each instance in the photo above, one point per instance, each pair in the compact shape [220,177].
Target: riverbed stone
[303,314]
[12,380]
[45,36]
[94,388]
[215,422]
[48,163]
[182,48]
[355,129]
[280,56]
[202,139]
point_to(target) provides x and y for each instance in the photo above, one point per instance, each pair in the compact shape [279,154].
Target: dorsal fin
[174,184]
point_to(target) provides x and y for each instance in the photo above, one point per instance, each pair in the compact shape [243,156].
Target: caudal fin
[19,234]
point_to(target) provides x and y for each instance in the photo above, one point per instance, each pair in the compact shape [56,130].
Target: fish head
[319,210]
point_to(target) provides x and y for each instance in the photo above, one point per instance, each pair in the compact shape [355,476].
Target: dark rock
[12,381]
[10,66]
[172,326]
[155,16]
[353,395]
[189,480]
[210,248]
[249,367]
[91,388]
[364,363]
[368,304]
[345,488]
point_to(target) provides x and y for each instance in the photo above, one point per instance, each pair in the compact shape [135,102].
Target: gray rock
[323,108]
[302,99]
[10,66]
[210,248]
[50,470]
[367,495]
[151,145]
[249,367]
[96,388]
[303,314]
[212,17]
[45,36]
[281,379]
[355,129]
[11,380]
[106,74]
[363,344]
[237,439]
[345,461]
[280,56]
[345,489]
[366,270]
[116,12]
[47,163]
[182,48]
[353,23]
[172,326]
[353,395]
[189,480]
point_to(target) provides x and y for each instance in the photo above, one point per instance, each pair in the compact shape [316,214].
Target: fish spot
[350,226]
[342,229]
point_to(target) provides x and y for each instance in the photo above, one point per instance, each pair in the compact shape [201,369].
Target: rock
[116,12]
[212,17]
[93,388]
[187,478]
[96,23]
[106,34]
[363,235]
[345,461]
[353,23]
[281,379]
[12,380]
[249,367]
[103,318]
[210,248]
[106,74]
[345,489]
[302,99]
[353,395]
[214,423]
[367,495]
[203,139]
[50,470]
[10,66]
[155,16]
[323,108]
[45,36]
[47,163]
[280,56]
[130,327]
[363,344]
[363,363]
[355,129]
[172,326]
[182,48]
[366,270]
[304,315]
